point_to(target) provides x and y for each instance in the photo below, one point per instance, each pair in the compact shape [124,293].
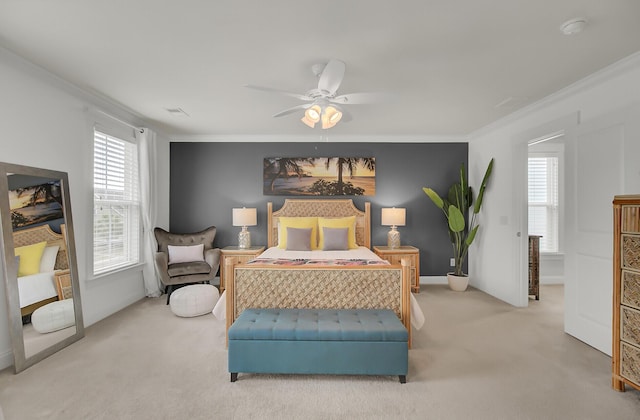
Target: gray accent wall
[209,179]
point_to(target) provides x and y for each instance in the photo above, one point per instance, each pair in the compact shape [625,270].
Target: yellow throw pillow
[341,222]
[30,256]
[297,222]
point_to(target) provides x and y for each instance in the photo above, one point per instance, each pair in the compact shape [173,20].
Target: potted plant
[456,210]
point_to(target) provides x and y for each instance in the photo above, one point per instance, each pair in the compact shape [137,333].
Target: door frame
[565,126]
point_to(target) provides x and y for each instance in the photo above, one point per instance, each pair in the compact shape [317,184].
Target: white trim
[433,280]
[116,272]
[552,256]
[621,66]
[6,359]
[551,279]
[290,138]
[100,102]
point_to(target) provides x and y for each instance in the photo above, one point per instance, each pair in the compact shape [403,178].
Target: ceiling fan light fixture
[330,117]
[313,113]
[308,121]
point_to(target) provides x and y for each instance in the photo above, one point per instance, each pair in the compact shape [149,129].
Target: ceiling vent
[177,112]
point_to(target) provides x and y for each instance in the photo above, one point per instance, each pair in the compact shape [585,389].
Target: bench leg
[234,376]
[403,379]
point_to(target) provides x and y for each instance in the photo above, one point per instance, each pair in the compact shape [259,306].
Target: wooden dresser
[534,266]
[626,292]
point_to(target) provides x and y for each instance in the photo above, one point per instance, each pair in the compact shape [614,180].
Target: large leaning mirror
[40,269]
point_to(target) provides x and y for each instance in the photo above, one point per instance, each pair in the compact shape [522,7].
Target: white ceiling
[448,63]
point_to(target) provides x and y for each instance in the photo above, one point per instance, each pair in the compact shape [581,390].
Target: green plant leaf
[456,219]
[471,236]
[434,197]
[487,173]
[478,204]
[485,180]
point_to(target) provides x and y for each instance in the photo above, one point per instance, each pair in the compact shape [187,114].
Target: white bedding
[36,287]
[417,316]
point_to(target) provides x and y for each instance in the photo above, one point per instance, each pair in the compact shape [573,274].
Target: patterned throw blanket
[312,262]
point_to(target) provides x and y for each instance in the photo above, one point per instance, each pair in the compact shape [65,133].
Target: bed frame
[62,277]
[318,287]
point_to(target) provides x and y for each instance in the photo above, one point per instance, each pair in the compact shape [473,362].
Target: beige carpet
[475,358]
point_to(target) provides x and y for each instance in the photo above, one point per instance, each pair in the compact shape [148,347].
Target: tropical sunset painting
[323,176]
[35,204]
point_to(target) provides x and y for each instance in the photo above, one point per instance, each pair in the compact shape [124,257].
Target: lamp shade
[245,217]
[393,216]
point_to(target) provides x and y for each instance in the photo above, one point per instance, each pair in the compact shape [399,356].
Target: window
[543,200]
[116,202]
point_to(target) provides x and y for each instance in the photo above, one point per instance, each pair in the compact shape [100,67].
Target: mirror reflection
[42,288]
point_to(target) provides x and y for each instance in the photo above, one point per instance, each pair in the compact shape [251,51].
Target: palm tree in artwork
[350,164]
[47,192]
[284,167]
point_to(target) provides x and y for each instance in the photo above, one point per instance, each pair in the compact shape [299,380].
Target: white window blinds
[116,217]
[543,201]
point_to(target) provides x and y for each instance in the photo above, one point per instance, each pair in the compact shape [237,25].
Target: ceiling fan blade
[331,76]
[302,97]
[291,110]
[359,98]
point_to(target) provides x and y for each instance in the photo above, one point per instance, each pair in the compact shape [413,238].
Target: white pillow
[48,260]
[182,254]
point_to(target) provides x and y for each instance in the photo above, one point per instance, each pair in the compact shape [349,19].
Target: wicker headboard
[321,208]
[44,233]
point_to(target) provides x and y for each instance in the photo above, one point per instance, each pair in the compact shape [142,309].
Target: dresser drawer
[630,325]
[631,251]
[630,362]
[630,219]
[630,294]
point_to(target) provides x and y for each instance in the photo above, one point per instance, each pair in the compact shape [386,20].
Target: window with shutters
[544,212]
[116,201]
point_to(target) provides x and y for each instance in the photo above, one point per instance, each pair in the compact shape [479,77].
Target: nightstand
[241,254]
[395,255]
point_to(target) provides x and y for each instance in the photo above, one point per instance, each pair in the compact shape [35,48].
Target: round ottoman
[194,300]
[53,316]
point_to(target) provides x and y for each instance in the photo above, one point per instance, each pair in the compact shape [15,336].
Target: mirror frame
[22,362]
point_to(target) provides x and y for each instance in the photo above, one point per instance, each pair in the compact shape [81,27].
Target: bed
[274,280]
[52,282]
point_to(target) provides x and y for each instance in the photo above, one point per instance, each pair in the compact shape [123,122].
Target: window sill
[552,255]
[129,268]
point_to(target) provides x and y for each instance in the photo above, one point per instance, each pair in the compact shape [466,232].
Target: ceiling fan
[323,104]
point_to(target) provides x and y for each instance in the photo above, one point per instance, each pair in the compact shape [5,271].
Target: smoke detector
[573,26]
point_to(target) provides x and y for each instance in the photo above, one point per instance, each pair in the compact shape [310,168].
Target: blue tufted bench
[318,341]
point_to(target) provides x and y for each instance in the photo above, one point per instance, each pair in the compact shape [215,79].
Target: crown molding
[291,138]
[622,66]
[91,99]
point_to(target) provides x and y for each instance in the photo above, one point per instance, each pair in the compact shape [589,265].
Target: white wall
[44,123]
[494,260]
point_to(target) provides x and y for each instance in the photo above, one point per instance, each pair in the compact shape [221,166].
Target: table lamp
[244,217]
[393,217]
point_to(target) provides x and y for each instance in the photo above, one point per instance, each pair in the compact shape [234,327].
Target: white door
[595,173]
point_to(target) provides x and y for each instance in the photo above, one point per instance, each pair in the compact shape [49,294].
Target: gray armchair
[181,273]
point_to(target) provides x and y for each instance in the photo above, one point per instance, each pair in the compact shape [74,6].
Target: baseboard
[6,359]
[551,280]
[433,279]
[109,310]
